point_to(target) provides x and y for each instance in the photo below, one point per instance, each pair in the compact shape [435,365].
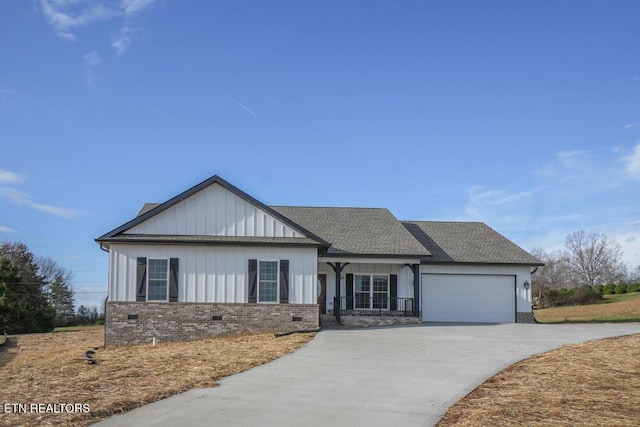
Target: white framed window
[268,281]
[371,291]
[158,279]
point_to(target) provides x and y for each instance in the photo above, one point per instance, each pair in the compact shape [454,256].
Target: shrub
[634,287]
[609,289]
[621,288]
[579,296]
[554,297]
[584,295]
[599,289]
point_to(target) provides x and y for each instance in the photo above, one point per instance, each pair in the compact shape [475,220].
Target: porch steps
[328,321]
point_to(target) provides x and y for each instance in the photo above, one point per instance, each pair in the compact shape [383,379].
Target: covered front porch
[369,288]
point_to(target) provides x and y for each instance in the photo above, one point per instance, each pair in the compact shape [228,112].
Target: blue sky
[521,114]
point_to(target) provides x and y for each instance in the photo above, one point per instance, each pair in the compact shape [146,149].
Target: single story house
[215,260]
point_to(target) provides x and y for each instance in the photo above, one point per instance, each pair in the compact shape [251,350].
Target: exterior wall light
[527,285]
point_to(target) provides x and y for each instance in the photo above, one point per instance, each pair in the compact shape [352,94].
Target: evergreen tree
[57,288]
[25,304]
[9,277]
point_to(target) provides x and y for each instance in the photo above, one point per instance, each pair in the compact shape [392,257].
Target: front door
[322,293]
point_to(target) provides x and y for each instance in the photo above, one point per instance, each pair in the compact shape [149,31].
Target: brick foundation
[525,318]
[138,322]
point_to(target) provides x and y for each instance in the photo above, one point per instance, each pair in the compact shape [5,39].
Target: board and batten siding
[213,274]
[215,211]
[405,277]
[522,274]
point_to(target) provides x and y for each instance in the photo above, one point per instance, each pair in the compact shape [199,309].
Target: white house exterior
[214,260]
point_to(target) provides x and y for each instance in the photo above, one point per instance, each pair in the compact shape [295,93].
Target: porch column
[337,267]
[416,289]
[338,271]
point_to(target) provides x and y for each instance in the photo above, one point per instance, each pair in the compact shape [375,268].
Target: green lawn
[614,308]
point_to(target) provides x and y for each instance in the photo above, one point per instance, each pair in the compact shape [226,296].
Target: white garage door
[468,298]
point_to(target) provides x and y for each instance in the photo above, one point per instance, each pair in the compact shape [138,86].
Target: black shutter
[284,281]
[173,280]
[141,280]
[349,292]
[253,280]
[393,292]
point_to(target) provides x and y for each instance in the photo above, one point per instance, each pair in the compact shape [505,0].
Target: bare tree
[632,276]
[594,259]
[554,274]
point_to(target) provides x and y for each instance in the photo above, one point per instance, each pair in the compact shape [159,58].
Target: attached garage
[487,298]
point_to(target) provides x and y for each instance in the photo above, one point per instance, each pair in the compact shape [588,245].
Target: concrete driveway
[400,376]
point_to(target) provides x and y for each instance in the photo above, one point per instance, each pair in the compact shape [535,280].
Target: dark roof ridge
[326,207]
[443,221]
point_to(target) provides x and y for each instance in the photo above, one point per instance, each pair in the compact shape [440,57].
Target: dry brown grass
[617,308]
[590,384]
[48,368]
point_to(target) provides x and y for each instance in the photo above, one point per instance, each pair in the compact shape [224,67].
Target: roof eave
[183,242]
[528,264]
[356,255]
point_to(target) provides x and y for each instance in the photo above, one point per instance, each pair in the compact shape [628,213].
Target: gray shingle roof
[356,231]
[467,242]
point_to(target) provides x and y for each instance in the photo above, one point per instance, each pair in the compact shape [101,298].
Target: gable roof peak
[153,209]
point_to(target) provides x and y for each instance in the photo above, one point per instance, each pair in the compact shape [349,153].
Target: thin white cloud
[133,6]
[91,61]
[8,177]
[588,171]
[630,126]
[8,180]
[21,198]
[480,194]
[5,229]
[575,190]
[570,154]
[66,36]
[65,16]
[512,197]
[6,93]
[122,41]
[633,163]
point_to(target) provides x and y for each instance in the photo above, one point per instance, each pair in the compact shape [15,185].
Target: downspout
[535,268]
[105,305]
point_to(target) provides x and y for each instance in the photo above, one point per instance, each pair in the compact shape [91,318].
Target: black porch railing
[374,306]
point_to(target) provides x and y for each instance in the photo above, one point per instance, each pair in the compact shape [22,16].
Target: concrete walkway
[401,376]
